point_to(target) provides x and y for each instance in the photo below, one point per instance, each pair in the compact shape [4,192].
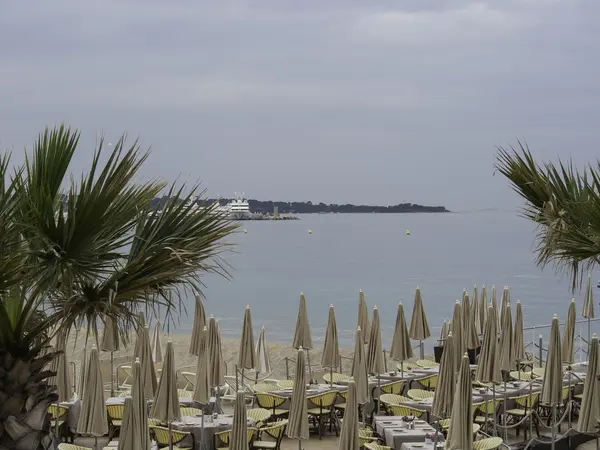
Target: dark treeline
[267,206]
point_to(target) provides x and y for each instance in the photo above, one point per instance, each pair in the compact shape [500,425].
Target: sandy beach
[181,342]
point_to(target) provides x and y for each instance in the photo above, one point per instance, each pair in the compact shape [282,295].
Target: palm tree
[564,203]
[82,250]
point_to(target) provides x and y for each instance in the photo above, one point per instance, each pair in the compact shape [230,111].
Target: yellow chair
[525,404]
[392,399]
[395,387]
[445,424]
[365,435]
[323,413]
[336,377]
[521,376]
[58,419]
[275,431]
[487,443]
[429,383]
[340,407]
[184,393]
[161,434]
[427,364]
[406,366]
[399,410]
[419,394]
[538,372]
[264,388]
[65,446]
[189,412]
[272,402]
[376,446]
[115,418]
[285,384]
[222,438]
[259,415]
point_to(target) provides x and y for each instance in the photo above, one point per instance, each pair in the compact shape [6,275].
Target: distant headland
[269,206]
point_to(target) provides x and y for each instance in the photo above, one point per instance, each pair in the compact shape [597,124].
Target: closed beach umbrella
[331,348]
[471,340]
[475,311]
[138,399]
[457,332]
[239,429]
[375,349]
[199,324]
[246,356]
[507,354]
[401,349]
[166,404]
[494,302]
[569,334]
[155,345]
[141,324]
[442,399]
[518,337]
[588,414]
[263,362]
[215,358]
[134,429]
[302,337]
[60,365]
[419,328]
[110,343]
[92,417]
[223,363]
[202,386]
[110,336]
[505,301]
[488,369]
[359,369]
[363,316]
[553,373]
[148,372]
[460,432]
[298,417]
[483,308]
[444,333]
[588,305]
[349,439]
[82,370]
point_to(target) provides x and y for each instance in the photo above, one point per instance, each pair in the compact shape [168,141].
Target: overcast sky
[322,100]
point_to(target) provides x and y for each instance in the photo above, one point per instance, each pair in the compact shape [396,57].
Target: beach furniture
[323,413]
[272,402]
[259,415]
[275,431]
[161,434]
[419,394]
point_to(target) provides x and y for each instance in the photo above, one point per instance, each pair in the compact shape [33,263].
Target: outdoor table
[421,446]
[396,436]
[310,392]
[427,403]
[192,424]
[399,376]
[74,406]
[383,422]
[435,370]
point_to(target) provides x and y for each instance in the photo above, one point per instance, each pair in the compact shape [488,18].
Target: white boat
[238,208]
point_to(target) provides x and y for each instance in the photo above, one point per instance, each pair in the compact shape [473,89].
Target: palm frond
[564,203]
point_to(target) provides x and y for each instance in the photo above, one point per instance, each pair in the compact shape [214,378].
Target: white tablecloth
[194,426]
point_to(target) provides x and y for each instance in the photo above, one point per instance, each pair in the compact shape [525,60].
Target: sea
[330,257]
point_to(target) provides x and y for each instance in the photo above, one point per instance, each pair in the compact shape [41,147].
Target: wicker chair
[161,434]
[58,419]
[336,377]
[399,410]
[525,404]
[259,415]
[429,382]
[222,438]
[486,413]
[376,446]
[323,413]
[65,446]
[272,402]
[487,443]
[406,366]
[187,411]
[115,418]
[419,394]
[395,387]
[427,364]
[275,431]
[285,384]
[264,388]
[184,393]
[520,376]
[392,399]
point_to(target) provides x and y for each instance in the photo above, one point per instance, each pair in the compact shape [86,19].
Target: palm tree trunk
[24,399]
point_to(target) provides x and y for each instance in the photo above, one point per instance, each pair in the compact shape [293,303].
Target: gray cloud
[321,100]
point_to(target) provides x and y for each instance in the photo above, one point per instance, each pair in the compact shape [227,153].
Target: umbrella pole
[494,401]
[421,350]
[589,337]
[112,373]
[378,392]
[331,376]
[237,384]
[569,403]
[402,369]
[553,426]
[531,418]
[171,436]
[504,414]
[202,431]
[309,368]
[299,444]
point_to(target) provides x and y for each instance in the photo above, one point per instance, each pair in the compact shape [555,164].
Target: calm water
[445,253]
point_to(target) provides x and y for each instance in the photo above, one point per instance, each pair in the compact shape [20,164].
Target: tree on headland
[77,250]
[564,203]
